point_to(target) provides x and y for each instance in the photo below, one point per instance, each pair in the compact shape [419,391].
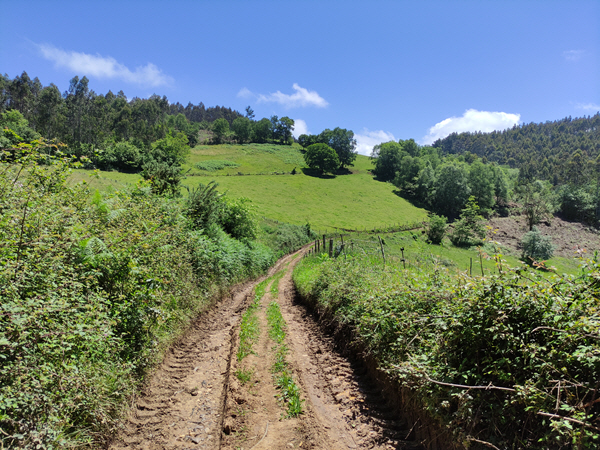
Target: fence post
[481,264]
[403,260]
[382,252]
[324,246]
[471,267]
[331,248]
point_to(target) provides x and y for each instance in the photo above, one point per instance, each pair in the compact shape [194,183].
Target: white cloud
[588,106]
[573,55]
[104,67]
[302,97]
[299,128]
[472,120]
[245,93]
[369,139]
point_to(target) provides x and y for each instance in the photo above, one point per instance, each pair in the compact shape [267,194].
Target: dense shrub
[537,247]
[92,287]
[436,228]
[510,360]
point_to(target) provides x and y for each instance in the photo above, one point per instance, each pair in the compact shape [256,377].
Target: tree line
[83,119]
[558,160]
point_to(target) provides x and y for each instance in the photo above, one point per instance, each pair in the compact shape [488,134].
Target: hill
[262,173]
[562,151]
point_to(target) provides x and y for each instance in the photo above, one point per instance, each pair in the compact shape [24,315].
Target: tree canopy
[321,157]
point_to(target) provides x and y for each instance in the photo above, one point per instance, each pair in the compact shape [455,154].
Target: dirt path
[196,401]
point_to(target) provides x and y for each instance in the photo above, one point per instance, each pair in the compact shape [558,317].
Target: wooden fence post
[331,248]
[403,260]
[382,252]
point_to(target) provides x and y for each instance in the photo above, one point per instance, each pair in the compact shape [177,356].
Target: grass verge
[289,393]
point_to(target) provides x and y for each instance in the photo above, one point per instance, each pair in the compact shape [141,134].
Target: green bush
[436,228]
[468,229]
[536,247]
[483,358]
[92,289]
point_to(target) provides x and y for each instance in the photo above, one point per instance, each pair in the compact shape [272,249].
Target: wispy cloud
[588,106]
[369,139]
[471,120]
[573,55]
[299,127]
[300,98]
[104,67]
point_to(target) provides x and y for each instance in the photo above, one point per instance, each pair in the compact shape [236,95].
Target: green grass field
[355,201]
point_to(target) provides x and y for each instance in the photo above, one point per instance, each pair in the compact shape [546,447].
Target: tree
[164,178]
[388,157]
[481,182]
[242,127]
[468,230]
[451,190]
[321,157]
[536,203]
[286,126]
[343,142]
[262,130]
[220,128]
[249,112]
[172,149]
[306,140]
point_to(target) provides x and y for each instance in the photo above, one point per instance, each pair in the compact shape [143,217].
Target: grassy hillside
[353,201]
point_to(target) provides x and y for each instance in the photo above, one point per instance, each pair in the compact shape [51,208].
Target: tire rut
[194,400]
[182,404]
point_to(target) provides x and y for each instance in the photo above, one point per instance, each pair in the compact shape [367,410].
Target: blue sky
[386,70]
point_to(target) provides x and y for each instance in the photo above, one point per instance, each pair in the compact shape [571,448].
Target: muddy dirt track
[195,401]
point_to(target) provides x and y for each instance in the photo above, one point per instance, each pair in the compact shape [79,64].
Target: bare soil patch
[570,238]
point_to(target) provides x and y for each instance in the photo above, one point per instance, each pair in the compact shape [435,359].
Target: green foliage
[286,238]
[436,229]
[387,159]
[213,165]
[262,130]
[204,206]
[242,127]
[579,203]
[451,190]
[536,247]
[468,230]
[220,128]
[536,202]
[171,150]
[238,218]
[164,178]
[92,289]
[483,357]
[122,156]
[322,158]
[343,142]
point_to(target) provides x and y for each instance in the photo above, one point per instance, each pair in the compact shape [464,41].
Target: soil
[572,239]
[195,401]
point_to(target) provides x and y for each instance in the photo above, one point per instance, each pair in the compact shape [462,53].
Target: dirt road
[196,400]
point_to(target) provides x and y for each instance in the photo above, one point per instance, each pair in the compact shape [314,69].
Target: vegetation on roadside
[94,286]
[511,360]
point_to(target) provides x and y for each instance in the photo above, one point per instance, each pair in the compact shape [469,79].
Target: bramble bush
[93,287]
[512,360]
